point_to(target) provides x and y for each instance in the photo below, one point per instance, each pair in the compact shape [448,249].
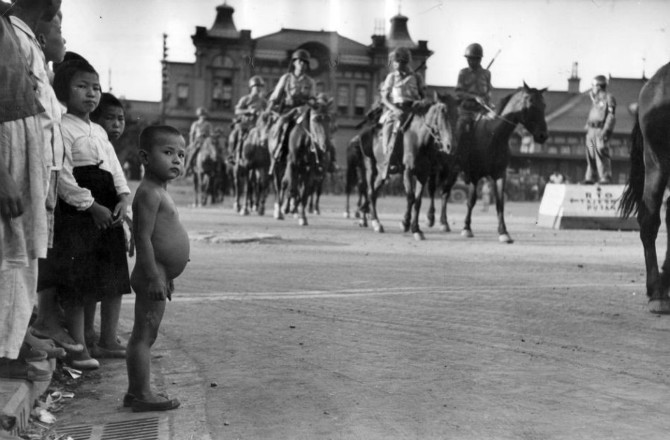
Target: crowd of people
[63,205]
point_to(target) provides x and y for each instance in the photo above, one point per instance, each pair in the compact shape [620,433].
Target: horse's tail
[632,195]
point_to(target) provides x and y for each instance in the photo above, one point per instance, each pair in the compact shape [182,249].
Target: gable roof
[288,39]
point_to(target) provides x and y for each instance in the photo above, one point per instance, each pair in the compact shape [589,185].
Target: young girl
[89,247]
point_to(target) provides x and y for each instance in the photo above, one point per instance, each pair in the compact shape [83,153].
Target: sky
[538,40]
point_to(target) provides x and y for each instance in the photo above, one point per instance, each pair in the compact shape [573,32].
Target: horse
[648,178]
[355,177]
[250,170]
[488,154]
[208,170]
[422,142]
[295,174]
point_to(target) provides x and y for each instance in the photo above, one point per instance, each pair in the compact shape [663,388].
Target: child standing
[162,253]
[111,117]
[89,253]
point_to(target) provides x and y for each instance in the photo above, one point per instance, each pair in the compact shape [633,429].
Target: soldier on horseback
[473,92]
[401,90]
[247,110]
[200,130]
[293,92]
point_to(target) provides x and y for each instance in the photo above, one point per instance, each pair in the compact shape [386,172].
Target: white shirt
[89,145]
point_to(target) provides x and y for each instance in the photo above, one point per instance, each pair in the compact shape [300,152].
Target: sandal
[70,347]
[30,354]
[20,369]
[161,405]
[84,364]
[129,398]
[46,345]
[105,353]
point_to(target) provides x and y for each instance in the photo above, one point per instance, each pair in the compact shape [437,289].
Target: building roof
[288,39]
[399,34]
[224,26]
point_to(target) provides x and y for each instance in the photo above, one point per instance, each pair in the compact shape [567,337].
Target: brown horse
[307,155]
[488,155]
[250,169]
[649,174]
[428,135]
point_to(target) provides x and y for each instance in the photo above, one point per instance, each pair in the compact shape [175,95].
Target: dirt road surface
[332,331]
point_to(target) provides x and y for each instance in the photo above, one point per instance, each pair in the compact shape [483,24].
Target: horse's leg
[262,178]
[499,194]
[649,219]
[446,185]
[305,191]
[414,190]
[196,185]
[317,196]
[408,182]
[246,182]
[278,180]
[472,199]
[430,215]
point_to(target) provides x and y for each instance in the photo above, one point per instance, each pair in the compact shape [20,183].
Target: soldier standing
[473,92]
[247,110]
[599,126]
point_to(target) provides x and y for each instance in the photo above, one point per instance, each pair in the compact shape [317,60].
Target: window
[360,100]
[222,93]
[182,95]
[343,99]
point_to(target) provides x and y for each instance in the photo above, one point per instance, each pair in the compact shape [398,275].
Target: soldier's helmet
[474,51]
[599,80]
[300,54]
[256,81]
[202,111]
[401,55]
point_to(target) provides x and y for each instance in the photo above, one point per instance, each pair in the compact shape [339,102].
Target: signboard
[566,206]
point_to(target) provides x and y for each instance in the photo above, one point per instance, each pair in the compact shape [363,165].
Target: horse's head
[530,105]
[264,124]
[440,119]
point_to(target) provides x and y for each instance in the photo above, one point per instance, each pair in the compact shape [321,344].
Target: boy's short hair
[64,74]
[106,100]
[149,135]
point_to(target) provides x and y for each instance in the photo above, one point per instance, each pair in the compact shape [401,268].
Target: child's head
[162,151]
[51,39]
[46,8]
[76,84]
[110,115]
[256,85]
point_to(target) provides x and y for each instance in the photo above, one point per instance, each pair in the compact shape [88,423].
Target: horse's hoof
[244,211]
[302,221]
[418,236]
[659,306]
[377,227]
[346,214]
[357,214]
[317,211]
[363,223]
[505,238]
[261,210]
[445,228]
[431,221]
[467,233]
[404,226]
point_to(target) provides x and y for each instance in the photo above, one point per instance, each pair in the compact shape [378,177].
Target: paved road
[334,332]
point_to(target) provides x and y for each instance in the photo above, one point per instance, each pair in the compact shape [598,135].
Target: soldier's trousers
[598,159]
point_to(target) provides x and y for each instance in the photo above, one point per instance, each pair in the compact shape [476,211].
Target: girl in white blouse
[88,260]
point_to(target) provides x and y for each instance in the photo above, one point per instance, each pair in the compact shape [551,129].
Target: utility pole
[165,92]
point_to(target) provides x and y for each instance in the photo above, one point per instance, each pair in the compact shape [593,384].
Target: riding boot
[388,153]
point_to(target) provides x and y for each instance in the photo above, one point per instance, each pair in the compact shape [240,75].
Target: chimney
[573,81]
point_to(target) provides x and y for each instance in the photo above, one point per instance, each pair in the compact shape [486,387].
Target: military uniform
[599,126]
[200,130]
[247,110]
[292,92]
[401,88]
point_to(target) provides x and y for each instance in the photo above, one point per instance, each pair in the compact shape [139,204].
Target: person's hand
[120,211]
[102,217]
[606,136]
[157,290]
[11,205]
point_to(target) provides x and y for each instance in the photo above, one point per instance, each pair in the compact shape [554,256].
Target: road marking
[378,291]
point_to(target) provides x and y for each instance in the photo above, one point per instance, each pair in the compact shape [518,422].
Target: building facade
[351,72]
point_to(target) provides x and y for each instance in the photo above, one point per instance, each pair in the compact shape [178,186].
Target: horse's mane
[505,101]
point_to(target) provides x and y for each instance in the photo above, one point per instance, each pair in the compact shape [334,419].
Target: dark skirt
[86,264]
